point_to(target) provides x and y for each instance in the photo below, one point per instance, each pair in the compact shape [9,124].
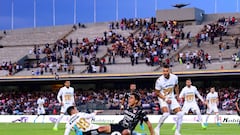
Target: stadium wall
[215,17]
[187,15]
[100,119]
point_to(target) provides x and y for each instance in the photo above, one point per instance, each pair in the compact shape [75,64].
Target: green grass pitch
[187,129]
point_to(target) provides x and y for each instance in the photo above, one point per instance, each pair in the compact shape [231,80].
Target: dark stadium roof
[180,5]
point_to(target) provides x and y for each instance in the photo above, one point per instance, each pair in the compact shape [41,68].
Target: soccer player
[132,115]
[164,89]
[124,100]
[188,93]
[40,108]
[66,98]
[237,104]
[212,102]
[80,122]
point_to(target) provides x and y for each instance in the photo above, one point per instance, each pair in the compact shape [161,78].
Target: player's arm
[207,101]
[159,94]
[176,88]
[59,97]
[68,129]
[200,97]
[181,95]
[236,104]
[91,115]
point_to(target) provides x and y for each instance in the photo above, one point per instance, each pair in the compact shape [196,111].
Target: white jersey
[189,93]
[67,95]
[81,121]
[166,86]
[212,99]
[40,109]
[40,102]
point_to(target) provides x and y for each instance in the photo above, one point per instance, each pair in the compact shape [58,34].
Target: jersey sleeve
[158,85]
[176,80]
[207,98]
[182,94]
[144,116]
[198,94]
[87,116]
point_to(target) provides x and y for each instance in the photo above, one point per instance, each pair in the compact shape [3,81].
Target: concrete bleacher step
[32,36]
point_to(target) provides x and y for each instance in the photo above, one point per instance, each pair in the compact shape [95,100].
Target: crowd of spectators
[19,102]
[150,43]
[198,59]
[11,68]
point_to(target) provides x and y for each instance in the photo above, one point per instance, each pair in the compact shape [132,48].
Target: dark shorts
[238,112]
[117,127]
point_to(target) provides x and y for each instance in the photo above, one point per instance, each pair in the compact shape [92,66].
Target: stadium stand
[128,41]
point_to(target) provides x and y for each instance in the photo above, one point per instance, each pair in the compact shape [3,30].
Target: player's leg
[165,111]
[111,128]
[215,110]
[185,109]
[63,110]
[197,110]
[177,110]
[43,114]
[38,114]
[36,118]
[209,111]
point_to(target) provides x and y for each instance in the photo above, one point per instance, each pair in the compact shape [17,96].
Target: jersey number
[167,91]
[189,97]
[67,97]
[82,124]
[213,100]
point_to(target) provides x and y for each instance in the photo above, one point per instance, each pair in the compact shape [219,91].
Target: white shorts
[40,110]
[187,106]
[212,109]
[171,106]
[65,107]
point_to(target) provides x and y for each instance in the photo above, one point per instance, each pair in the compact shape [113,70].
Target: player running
[66,98]
[165,86]
[188,93]
[81,122]
[237,104]
[212,102]
[132,115]
[40,108]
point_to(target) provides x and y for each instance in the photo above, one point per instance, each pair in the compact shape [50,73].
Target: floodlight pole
[75,12]
[94,11]
[116,10]
[237,6]
[156,5]
[12,18]
[135,8]
[215,5]
[34,13]
[54,16]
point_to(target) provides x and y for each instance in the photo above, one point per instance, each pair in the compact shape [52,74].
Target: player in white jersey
[66,98]
[81,122]
[164,89]
[188,93]
[212,102]
[40,108]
